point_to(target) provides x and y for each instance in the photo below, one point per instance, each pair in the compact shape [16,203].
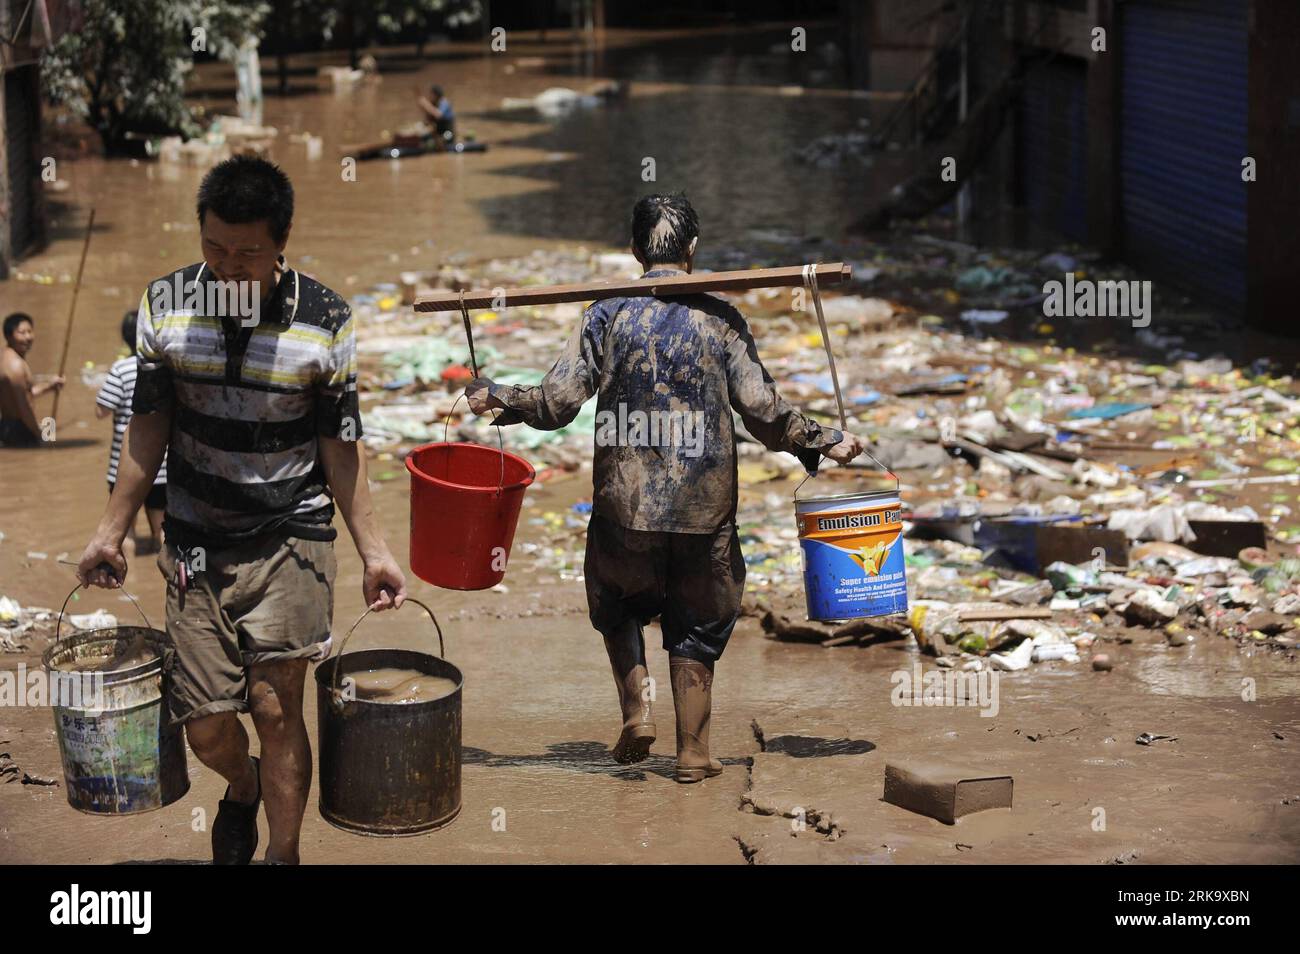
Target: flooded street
[543,184]
[804,731]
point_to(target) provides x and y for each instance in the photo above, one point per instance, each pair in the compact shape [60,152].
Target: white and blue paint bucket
[852,555]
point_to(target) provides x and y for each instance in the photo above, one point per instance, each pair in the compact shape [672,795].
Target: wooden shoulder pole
[829,274]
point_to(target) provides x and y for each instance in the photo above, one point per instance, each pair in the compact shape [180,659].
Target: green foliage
[123,67]
[394,16]
[232,22]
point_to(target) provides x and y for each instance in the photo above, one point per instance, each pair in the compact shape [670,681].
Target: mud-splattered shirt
[248,405]
[668,372]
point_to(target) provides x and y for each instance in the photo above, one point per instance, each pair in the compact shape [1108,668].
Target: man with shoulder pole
[662,541]
[246,380]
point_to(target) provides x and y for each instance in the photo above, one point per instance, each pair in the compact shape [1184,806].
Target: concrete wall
[22,206]
[890,42]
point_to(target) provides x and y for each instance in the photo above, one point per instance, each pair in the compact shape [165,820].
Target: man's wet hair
[663,227]
[437,93]
[246,189]
[14,320]
[128,329]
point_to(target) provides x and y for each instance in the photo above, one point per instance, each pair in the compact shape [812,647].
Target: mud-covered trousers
[693,581]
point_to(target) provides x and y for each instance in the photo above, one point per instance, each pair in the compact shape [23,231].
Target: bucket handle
[810,282]
[501,445]
[59,622]
[338,668]
[898,484]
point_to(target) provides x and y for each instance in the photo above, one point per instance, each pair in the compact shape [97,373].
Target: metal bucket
[388,768]
[120,757]
[852,548]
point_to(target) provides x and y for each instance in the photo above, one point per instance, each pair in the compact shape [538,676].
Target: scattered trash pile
[19,625]
[225,136]
[1055,499]
[16,624]
[413,367]
[1168,593]
[837,149]
[557,101]
[11,772]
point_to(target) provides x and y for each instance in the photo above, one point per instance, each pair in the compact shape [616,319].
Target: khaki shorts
[262,601]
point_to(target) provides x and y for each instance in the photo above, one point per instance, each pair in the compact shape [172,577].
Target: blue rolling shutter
[1183,136]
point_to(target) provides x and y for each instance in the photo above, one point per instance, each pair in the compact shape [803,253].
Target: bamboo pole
[828,274]
[72,312]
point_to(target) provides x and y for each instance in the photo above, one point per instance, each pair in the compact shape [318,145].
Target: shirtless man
[18,424]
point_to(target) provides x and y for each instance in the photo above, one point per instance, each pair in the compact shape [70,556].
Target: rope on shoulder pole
[810,282]
[469,333]
[473,363]
[72,311]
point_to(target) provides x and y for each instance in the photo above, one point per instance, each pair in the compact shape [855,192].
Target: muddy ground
[798,727]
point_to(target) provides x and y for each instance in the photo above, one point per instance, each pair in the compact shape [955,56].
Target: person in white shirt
[115,398]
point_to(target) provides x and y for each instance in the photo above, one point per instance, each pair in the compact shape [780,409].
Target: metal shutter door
[1183,136]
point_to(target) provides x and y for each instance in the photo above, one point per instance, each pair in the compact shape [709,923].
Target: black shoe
[234,832]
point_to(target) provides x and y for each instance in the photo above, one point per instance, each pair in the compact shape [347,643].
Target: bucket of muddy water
[119,755]
[852,548]
[465,502]
[388,724]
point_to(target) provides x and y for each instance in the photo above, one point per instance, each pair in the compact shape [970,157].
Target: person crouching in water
[439,113]
[662,537]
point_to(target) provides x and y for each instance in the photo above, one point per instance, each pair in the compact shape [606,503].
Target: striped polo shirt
[248,404]
[115,395]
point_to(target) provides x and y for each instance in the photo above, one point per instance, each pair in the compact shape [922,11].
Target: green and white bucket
[119,755]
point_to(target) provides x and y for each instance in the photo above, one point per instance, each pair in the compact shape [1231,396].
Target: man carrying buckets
[246,378]
[662,538]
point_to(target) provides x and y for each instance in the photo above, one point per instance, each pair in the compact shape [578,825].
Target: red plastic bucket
[465,501]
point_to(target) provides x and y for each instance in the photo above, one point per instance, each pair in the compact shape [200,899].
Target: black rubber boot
[234,832]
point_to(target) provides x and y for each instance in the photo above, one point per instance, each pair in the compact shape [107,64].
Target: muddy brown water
[135,653]
[797,726]
[398,686]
